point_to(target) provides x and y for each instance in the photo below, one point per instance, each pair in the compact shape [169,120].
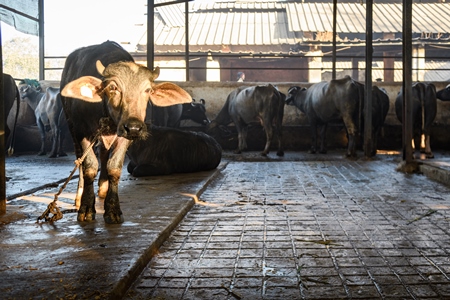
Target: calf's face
[126,88]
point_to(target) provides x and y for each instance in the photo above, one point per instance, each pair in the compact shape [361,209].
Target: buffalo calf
[104,93]
[169,150]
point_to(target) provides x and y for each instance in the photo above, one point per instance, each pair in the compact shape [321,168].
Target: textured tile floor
[308,230]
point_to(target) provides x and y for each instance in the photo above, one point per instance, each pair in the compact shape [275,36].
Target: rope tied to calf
[52,207]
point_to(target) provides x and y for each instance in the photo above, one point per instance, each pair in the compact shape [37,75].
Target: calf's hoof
[61,154]
[113,218]
[41,153]
[86,216]
[52,155]
[429,155]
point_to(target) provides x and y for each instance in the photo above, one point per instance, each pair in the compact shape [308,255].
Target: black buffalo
[171,116]
[325,102]
[263,104]
[104,92]
[444,94]
[424,109]
[10,95]
[170,150]
[49,115]
[380,108]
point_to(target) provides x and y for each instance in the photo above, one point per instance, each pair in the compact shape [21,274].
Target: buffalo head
[196,111]
[292,93]
[126,89]
[444,94]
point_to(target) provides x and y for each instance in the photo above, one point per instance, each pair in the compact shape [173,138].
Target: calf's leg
[113,213]
[87,211]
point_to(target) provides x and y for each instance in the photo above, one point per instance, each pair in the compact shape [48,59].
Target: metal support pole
[407,81]
[41,40]
[333,72]
[186,32]
[150,30]
[2,137]
[368,141]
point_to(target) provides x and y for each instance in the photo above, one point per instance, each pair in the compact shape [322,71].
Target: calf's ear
[166,94]
[84,88]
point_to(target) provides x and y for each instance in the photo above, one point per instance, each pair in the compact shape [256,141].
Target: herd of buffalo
[103,102]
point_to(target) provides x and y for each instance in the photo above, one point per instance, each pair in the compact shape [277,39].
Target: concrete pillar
[315,65]
[389,71]
[355,71]
[388,62]
[418,63]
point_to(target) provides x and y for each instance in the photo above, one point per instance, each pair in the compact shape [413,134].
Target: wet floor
[308,230]
[298,227]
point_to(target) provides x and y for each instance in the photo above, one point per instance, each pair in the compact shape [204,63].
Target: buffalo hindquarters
[256,104]
[424,109]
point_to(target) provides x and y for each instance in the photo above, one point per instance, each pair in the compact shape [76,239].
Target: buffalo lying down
[169,150]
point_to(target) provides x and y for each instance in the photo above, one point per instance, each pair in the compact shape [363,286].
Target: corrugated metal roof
[171,15]
[227,23]
[275,23]
[351,17]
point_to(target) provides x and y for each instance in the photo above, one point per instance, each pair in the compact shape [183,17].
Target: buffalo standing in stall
[424,109]
[169,150]
[49,115]
[262,104]
[380,108]
[325,102]
[171,116]
[105,93]
[11,95]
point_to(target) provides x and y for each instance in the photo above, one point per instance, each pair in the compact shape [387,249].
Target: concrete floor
[299,227]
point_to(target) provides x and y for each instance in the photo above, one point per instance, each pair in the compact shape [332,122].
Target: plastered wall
[295,125]
[215,94]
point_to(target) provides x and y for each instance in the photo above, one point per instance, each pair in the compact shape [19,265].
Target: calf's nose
[133,128]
